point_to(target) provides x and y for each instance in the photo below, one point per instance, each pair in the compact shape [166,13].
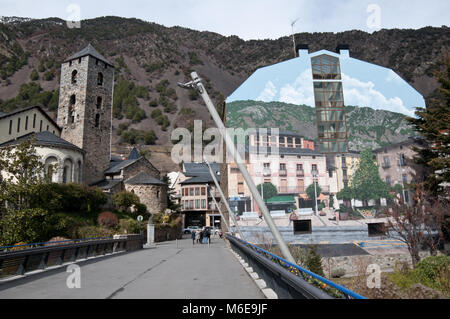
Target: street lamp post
[314,174]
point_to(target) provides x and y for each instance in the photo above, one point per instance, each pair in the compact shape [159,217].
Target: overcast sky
[249,19]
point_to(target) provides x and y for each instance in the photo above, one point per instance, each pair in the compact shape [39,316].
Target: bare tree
[418,224]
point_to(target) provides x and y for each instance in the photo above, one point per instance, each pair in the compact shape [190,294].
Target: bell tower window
[97,120]
[74,76]
[99,102]
[100,78]
[72,109]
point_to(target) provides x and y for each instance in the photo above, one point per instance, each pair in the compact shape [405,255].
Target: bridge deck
[165,272]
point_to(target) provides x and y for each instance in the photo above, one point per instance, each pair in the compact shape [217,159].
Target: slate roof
[116,167]
[134,154]
[89,50]
[144,179]
[200,173]
[107,184]
[44,139]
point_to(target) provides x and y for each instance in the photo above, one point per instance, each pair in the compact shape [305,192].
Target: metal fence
[288,280]
[20,259]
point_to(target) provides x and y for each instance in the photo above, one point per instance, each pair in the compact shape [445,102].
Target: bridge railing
[289,280]
[21,259]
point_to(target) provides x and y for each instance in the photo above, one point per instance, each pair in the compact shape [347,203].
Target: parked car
[190,229]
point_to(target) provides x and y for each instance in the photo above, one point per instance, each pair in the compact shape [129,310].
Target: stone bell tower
[85,109]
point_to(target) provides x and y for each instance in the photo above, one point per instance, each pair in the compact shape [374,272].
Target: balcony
[283,172]
[300,173]
[290,190]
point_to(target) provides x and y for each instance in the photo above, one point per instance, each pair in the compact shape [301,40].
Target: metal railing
[289,280]
[20,259]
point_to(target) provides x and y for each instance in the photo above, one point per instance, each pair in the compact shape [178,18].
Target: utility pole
[314,174]
[229,143]
[213,175]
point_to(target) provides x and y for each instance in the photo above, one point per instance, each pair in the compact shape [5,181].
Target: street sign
[140,218]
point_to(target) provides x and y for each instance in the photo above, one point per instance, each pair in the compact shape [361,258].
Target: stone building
[397,166]
[79,142]
[85,108]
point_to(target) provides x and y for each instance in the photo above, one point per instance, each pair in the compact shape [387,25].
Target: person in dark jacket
[193,236]
[201,237]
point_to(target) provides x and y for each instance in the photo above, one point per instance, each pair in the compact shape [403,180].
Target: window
[197,203]
[197,191]
[48,127]
[314,169]
[100,78]
[203,191]
[79,60]
[344,172]
[388,180]
[404,178]
[203,203]
[97,120]
[191,204]
[282,167]
[40,127]
[99,102]
[96,61]
[26,123]
[10,127]
[191,191]
[326,67]
[299,167]
[386,162]
[74,76]
[18,125]
[70,63]
[34,121]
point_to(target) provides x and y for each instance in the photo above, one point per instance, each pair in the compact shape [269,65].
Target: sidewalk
[164,272]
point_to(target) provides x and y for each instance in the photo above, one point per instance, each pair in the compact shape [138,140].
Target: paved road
[165,272]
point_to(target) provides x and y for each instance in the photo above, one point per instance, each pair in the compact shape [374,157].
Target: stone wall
[355,265]
[142,165]
[84,133]
[167,233]
[152,196]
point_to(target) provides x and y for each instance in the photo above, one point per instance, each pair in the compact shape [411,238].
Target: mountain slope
[366,127]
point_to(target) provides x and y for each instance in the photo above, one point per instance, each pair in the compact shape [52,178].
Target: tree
[433,124]
[418,224]
[311,192]
[268,189]
[171,204]
[124,200]
[34,76]
[314,261]
[346,194]
[367,183]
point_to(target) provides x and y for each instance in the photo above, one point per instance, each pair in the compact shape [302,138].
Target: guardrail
[15,261]
[288,280]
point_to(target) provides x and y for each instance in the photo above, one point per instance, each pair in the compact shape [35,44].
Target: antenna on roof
[293,37]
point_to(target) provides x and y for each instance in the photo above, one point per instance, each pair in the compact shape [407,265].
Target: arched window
[72,109]
[80,172]
[51,168]
[67,171]
[100,78]
[99,102]
[74,76]
[97,120]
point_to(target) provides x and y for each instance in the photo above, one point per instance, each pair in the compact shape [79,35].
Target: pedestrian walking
[201,237]
[208,236]
[197,236]
[193,236]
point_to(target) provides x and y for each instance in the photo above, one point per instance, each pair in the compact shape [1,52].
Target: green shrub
[94,232]
[34,76]
[27,225]
[124,200]
[131,226]
[48,76]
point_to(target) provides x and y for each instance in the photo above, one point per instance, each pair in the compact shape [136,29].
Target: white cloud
[268,93]
[299,92]
[364,94]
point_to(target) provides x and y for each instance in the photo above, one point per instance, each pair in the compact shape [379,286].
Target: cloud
[268,93]
[364,94]
[299,92]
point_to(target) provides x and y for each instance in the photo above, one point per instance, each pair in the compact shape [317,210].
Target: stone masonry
[83,132]
[152,196]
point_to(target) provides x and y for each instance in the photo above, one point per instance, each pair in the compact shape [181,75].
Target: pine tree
[433,124]
[314,261]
